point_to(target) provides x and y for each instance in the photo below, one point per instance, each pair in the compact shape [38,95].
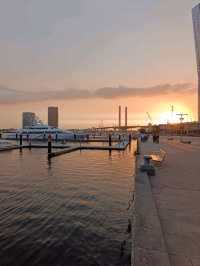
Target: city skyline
[88,69]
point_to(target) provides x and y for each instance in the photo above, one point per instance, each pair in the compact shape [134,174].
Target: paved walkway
[176,193]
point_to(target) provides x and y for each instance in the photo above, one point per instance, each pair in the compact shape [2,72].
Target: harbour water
[72,210]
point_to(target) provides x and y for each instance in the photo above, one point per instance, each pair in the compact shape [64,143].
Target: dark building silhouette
[196,25]
[53,116]
[28,119]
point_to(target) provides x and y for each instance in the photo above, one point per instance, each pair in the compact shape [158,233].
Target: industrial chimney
[126,116]
[119,116]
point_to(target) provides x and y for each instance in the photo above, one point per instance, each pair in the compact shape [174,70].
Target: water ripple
[72,212]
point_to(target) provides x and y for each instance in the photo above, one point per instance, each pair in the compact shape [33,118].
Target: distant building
[53,116]
[28,119]
[196,25]
[186,128]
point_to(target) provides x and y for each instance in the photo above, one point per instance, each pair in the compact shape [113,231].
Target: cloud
[121,91]
[8,95]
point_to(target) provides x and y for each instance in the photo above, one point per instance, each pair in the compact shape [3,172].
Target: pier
[113,145]
[166,213]
[9,148]
[118,147]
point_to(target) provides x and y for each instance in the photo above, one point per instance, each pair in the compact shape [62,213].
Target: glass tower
[53,116]
[28,119]
[196,25]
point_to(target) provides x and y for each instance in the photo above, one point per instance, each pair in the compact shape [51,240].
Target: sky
[89,56]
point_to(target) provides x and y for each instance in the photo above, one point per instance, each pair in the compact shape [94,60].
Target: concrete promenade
[168,207]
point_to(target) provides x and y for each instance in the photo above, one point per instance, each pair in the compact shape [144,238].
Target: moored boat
[41,132]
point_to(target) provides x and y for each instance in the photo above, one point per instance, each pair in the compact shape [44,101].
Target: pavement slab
[176,194]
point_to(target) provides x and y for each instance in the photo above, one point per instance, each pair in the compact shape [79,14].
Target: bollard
[147,159]
[20,139]
[49,144]
[130,138]
[74,136]
[29,142]
[147,167]
[56,137]
[119,138]
[20,142]
[123,139]
[109,140]
[137,152]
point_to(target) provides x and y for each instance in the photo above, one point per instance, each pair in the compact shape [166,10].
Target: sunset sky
[89,56]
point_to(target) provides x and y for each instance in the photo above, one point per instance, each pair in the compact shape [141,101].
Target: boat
[5,143]
[40,131]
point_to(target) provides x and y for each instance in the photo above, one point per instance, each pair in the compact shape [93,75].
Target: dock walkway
[66,148]
[118,147]
[175,192]
[8,147]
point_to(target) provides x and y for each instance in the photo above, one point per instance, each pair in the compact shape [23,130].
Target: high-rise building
[126,116]
[119,116]
[28,119]
[53,116]
[196,25]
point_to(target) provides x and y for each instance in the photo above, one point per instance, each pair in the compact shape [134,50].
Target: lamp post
[181,123]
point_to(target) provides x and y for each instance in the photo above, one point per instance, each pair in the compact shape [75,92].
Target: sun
[172,117]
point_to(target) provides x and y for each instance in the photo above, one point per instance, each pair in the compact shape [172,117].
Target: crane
[181,120]
[149,117]
[181,117]
[172,112]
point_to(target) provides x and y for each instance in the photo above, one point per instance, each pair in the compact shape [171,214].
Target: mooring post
[20,140]
[137,152]
[29,142]
[110,141]
[130,137]
[49,144]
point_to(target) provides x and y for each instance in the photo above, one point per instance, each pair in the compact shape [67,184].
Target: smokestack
[120,116]
[126,116]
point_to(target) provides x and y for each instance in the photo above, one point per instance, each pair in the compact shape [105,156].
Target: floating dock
[9,148]
[118,147]
[64,148]
[68,150]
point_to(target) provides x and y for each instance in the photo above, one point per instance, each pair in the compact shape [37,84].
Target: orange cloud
[8,95]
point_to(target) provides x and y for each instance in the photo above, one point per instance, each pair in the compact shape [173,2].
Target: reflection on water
[69,211]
